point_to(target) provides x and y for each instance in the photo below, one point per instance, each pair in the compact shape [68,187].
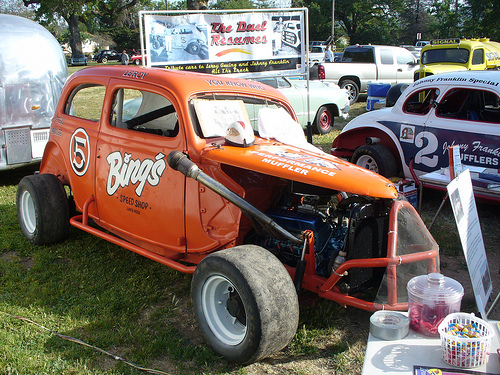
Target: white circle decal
[79,151]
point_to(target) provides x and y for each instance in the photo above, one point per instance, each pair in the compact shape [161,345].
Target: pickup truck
[454,55]
[192,175]
[361,64]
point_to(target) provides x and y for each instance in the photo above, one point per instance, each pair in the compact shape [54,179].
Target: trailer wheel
[245,303]
[42,209]
[352,90]
[376,158]
[324,120]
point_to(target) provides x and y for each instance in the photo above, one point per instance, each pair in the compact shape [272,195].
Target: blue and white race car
[431,115]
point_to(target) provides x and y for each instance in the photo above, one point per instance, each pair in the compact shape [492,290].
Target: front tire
[376,158]
[352,90]
[324,120]
[245,303]
[42,209]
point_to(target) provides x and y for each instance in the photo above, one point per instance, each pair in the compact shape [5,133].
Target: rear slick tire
[245,303]
[42,209]
[376,158]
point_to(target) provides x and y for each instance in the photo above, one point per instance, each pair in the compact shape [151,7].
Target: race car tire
[193,48]
[324,120]
[42,209]
[376,158]
[245,303]
[352,89]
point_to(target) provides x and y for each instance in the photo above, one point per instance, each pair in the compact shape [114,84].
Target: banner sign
[227,43]
[465,212]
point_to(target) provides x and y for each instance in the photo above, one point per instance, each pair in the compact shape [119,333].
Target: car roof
[183,83]
[478,79]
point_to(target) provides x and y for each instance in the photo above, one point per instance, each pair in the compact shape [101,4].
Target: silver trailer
[33,70]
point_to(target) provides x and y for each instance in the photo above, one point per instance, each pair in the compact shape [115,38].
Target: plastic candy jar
[430,299]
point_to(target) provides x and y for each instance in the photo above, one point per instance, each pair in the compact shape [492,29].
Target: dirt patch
[13,256]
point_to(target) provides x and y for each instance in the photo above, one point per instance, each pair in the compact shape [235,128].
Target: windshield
[412,237]
[212,114]
[445,55]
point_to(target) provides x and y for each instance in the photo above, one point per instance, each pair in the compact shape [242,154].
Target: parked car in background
[107,55]
[448,55]
[136,59]
[434,113]
[414,50]
[326,101]
[421,44]
[79,60]
[317,54]
[361,64]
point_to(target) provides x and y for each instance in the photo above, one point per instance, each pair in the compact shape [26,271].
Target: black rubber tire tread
[385,160]
[355,94]
[51,208]
[267,292]
[317,121]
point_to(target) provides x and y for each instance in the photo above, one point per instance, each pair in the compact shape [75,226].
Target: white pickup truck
[361,64]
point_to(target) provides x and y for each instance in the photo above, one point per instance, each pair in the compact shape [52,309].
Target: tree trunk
[75,42]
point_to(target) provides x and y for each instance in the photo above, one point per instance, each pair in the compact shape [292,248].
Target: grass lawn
[140,310]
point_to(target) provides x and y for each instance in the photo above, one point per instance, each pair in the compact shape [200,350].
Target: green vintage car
[326,101]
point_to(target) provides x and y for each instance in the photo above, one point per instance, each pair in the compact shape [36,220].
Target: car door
[138,196]
[296,95]
[78,128]
[469,118]
[386,67]
[406,65]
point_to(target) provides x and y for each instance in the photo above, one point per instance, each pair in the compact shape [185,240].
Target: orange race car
[255,219]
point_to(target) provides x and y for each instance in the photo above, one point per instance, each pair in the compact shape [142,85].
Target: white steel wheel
[27,211]
[224,311]
[42,209]
[245,303]
[368,162]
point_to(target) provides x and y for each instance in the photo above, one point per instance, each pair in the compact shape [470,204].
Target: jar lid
[435,286]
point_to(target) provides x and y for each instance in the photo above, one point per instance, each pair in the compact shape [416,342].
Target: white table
[399,356]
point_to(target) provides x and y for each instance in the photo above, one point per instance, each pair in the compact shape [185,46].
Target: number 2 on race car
[431,147]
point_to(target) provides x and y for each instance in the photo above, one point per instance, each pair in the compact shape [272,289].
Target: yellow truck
[447,55]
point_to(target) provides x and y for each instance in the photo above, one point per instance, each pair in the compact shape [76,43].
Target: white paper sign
[464,208]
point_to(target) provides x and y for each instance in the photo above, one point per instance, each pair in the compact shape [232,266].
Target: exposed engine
[344,228]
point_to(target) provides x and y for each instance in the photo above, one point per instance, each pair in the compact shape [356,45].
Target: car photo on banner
[325,101]
[431,115]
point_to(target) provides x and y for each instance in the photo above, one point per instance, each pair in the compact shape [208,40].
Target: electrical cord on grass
[80,342]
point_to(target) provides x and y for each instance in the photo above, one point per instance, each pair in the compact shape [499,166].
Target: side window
[453,104]
[421,102]
[477,57]
[86,102]
[283,83]
[404,58]
[144,111]
[386,56]
[472,105]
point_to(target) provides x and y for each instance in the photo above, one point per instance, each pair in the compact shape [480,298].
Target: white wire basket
[463,351]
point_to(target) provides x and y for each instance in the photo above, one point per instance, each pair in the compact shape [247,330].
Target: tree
[76,11]
[480,19]
[16,8]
